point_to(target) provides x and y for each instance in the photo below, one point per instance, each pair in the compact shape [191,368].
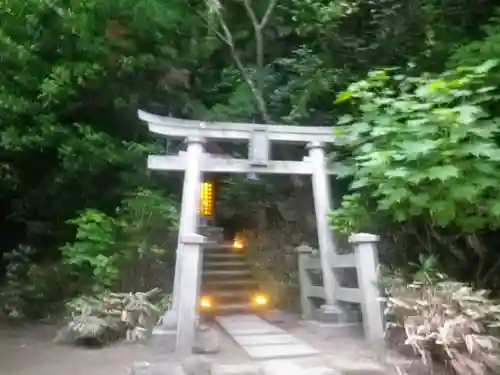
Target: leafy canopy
[422,146]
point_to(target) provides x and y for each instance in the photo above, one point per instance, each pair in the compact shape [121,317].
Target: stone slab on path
[289,367]
[267,339]
[261,340]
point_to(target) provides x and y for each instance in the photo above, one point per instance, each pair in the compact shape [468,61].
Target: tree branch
[258,27]
[257,88]
[267,15]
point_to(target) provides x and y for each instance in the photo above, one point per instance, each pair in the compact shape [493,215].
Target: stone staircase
[227,280]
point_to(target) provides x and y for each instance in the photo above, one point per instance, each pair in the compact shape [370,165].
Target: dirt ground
[29,350]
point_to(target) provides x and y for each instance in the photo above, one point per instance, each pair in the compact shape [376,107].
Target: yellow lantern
[207,198]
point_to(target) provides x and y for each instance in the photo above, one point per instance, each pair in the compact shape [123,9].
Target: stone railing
[355,279]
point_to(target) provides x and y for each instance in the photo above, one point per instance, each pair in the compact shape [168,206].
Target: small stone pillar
[365,249]
[191,247]
[189,219]
[307,308]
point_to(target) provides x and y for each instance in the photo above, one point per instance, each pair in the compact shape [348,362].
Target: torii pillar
[331,311]
[190,218]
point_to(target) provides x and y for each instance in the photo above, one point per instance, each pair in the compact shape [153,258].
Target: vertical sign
[259,148]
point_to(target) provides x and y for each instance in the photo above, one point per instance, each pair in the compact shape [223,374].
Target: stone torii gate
[194,162]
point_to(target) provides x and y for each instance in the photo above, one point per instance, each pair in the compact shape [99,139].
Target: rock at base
[246,369]
[363,367]
[207,340]
[169,319]
[65,336]
[162,368]
[68,336]
[197,365]
[141,368]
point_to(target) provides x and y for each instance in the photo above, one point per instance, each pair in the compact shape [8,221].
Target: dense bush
[422,157]
[105,245]
[448,323]
[29,286]
[105,250]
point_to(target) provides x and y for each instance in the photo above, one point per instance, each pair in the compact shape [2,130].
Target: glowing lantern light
[207,198]
[261,300]
[238,244]
[206,303]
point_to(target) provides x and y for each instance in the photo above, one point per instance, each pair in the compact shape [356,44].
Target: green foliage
[72,78]
[427,268]
[477,51]
[93,247]
[423,146]
[29,286]
[272,260]
[103,244]
[241,196]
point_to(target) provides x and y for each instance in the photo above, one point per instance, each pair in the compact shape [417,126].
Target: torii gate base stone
[194,162]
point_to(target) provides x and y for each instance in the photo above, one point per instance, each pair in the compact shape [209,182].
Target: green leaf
[343,170]
[486,66]
[464,191]
[345,119]
[495,208]
[421,199]
[444,212]
[397,173]
[343,96]
[442,173]
[430,263]
[360,183]
[393,196]
[417,148]
[467,114]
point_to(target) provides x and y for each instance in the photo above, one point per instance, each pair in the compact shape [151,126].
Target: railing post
[305,284]
[191,247]
[365,249]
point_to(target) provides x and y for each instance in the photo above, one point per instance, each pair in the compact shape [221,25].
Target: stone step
[233,308]
[215,246]
[210,253]
[222,255]
[233,293]
[225,263]
[231,296]
[225,273]
[238,284]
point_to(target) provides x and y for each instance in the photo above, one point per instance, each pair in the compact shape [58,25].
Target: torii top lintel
[179,128]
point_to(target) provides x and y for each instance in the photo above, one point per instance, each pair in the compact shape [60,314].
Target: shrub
[273,261]
[448,322]
[111,316]
[28,286]
[421,155]
[105,245]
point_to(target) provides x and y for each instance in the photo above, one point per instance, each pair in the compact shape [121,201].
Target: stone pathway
[276,351]
[261,340]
